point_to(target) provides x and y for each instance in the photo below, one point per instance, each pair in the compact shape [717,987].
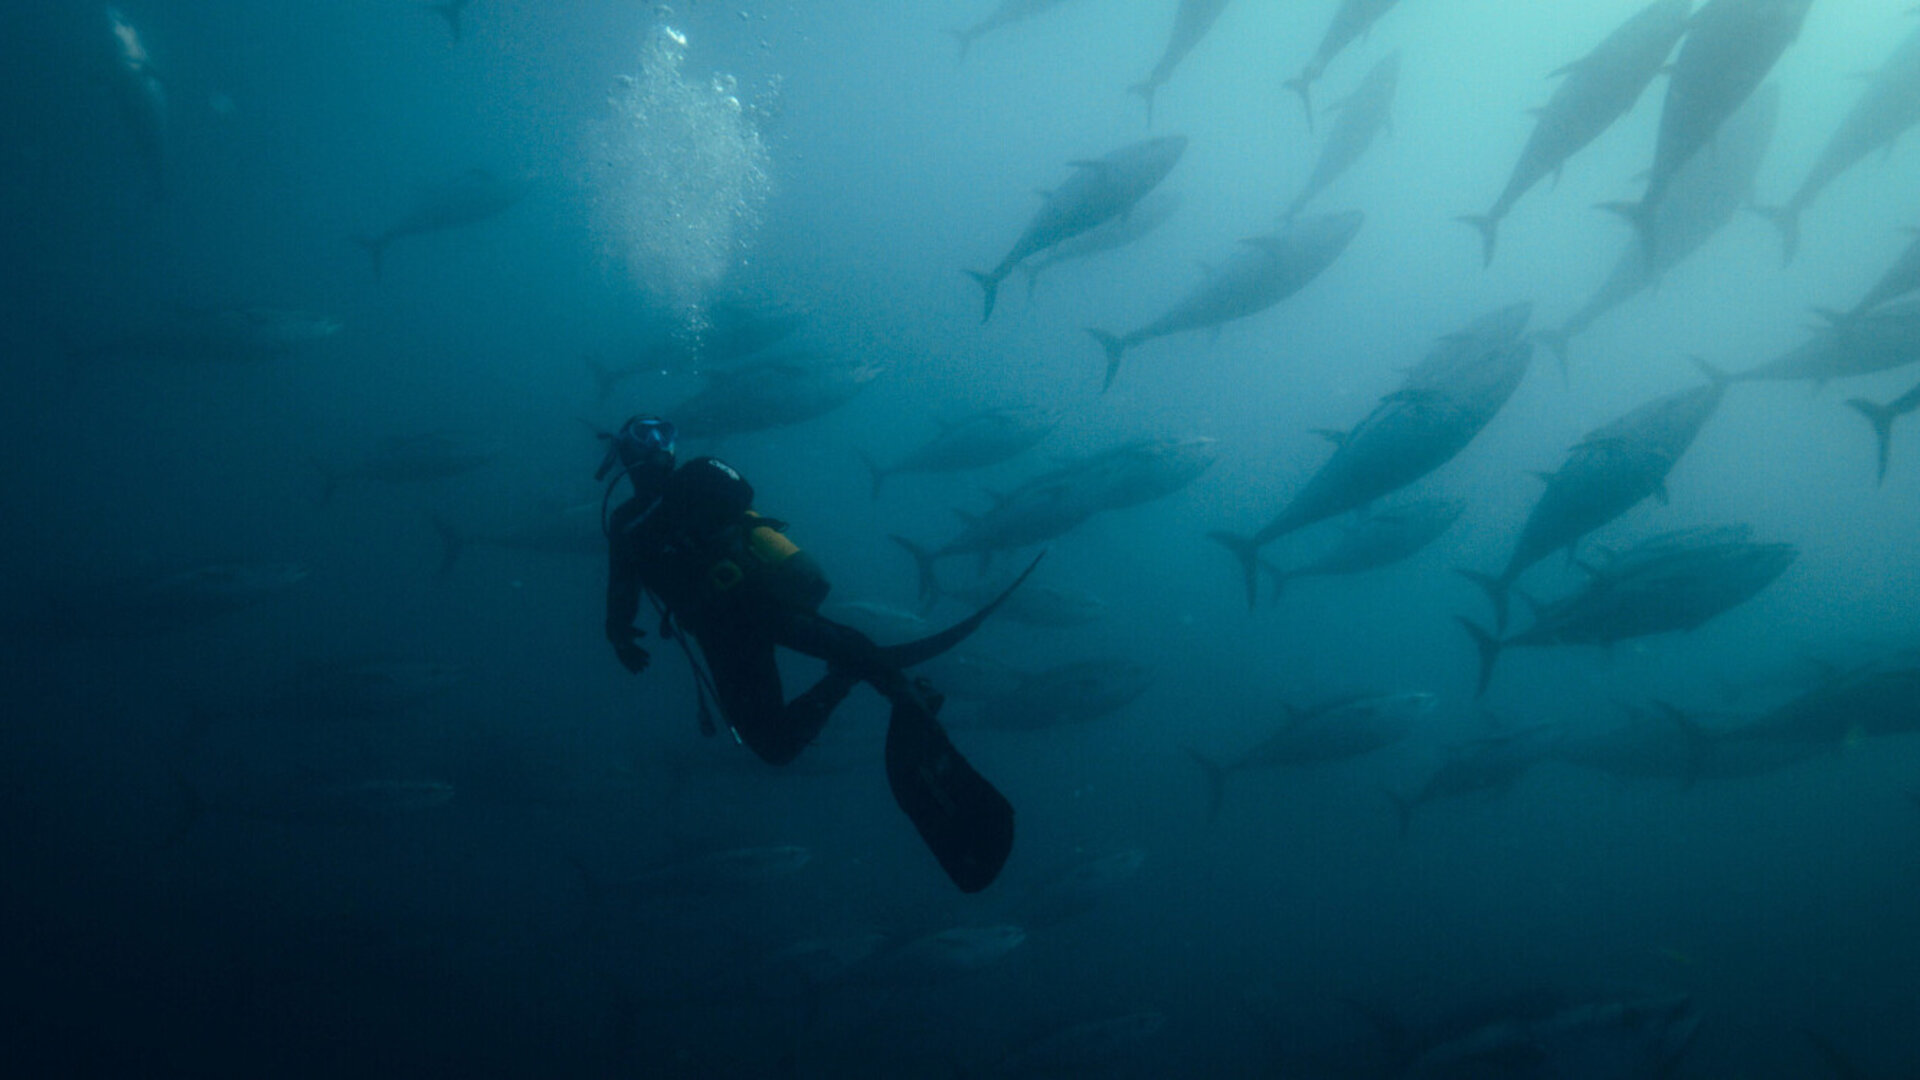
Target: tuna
[1730,47]
[1006,13]
[980,440]
[1381,537]
[1598,90]
[777,392]
[1338,730]
[410,459]
[943,956]
[1489,766]
[1352,20]
[1362,117]
[1607,473]
[1080,888]
[1072,693]
[1033,513]
[1098,191]
[1141,471]
[1709,192]
[1265,271]
[1878,698]
[1148,215]
[1882,418]
[1190,24]
[1663,743]
[472,197]
[1639,1037]
[1677,584]
[1880,340]
[1886,109]
[1445,401]
[223,335]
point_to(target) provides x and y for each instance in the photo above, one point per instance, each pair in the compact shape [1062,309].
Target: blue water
[199,880]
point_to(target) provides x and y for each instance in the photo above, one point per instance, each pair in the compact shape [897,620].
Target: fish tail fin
[1496,590]
[879,474]
[375,247]
[1146,91]
[1489,647]
[1402,808]
[1787,220]
[1216,783]
[451,543]
[923,562]
[1882,418]
[1248,552]
[1489,227]
[1558,341]
[966,42]
[991,284]
[1640,216]
[1116,348]
[1280,578]
[1303,85]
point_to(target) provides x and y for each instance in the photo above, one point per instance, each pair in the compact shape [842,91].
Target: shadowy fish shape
[1099,190]
[773,393]
[1072,693]
[1381,537]
[1599,89]
[980,440]
[1190,23]
[1148,214]
[1006,13]
[1263,272]
[1489,766]
[1338,730]
[1445,401]
[1351,21]
[1363,115]
[472,197]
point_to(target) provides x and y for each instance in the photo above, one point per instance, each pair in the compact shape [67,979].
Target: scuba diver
[726,577]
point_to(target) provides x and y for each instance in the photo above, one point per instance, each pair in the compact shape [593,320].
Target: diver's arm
[623,605]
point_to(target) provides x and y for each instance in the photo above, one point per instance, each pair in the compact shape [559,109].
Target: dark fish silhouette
[1353,19]
[1362,117]
[1190,24]
[1598,89]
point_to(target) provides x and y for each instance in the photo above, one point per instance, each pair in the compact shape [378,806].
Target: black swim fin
[914,653]
[964,820]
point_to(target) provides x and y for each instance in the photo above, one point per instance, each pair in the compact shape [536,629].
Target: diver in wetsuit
[728,579]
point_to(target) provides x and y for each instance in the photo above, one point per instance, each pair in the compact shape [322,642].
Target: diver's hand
[626,646]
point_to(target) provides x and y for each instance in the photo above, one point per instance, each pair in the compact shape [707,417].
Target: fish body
[1151,212]
[1641,595]
[1610,471]
[1709,193]
[1362,117]
[1888,106]
[1190,24]
[772,393]
[978,441]
[1072,693]
[472,197]
[1004,14]
[1487,766]
[945,955]
[1098,191]
[1637,1037]
[1730,47]
[1079,888]
[1350,21]
[1266,270]
[1445,401]
[1883,339]
[1379,538]
[1597,90]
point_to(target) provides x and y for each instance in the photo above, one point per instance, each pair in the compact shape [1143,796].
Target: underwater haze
[1479,627]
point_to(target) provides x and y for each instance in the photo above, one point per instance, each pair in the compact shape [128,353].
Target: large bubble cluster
[682,174]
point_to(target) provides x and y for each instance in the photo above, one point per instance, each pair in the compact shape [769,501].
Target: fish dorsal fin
[1332,435]
[1532,602]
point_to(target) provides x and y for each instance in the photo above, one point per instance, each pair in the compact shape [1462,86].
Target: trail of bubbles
[681,176]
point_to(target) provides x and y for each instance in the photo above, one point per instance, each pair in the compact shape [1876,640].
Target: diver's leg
[747,680]
[851,656]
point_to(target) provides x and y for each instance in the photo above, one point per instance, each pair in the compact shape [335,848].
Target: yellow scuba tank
[775,564]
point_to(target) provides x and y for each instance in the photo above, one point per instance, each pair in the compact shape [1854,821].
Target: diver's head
[644,448]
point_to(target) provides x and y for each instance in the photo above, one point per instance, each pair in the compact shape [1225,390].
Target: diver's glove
[626,646]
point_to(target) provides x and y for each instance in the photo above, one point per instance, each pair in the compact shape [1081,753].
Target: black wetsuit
[670,546]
